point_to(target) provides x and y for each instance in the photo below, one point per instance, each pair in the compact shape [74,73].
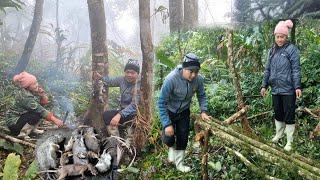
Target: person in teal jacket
[174,107]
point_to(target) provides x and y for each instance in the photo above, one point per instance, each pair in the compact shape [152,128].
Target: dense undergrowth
[250,44]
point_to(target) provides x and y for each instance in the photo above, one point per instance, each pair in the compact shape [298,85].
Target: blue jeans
[180,123]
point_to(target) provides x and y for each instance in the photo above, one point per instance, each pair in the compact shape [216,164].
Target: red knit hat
[25,79]
[283,27]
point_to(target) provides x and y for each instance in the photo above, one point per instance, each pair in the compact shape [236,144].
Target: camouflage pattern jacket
[24,101]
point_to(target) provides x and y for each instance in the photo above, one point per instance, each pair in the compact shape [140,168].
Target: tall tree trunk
[236,82]
[58,37]
[176,15]
[32,37]
[99,62]
[190,14]
[3,30]
[147,69]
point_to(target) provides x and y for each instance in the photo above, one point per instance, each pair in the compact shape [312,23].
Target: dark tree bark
[145,108]
[176,15]
[99,62]
[190,14]
[32,37]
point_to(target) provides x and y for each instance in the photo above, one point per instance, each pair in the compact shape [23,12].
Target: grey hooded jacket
[283,71]
[176,95]
[129,94]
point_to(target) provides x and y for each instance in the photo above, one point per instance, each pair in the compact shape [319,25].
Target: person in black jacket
[283,74]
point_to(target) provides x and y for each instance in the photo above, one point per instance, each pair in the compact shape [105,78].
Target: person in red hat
[27,111]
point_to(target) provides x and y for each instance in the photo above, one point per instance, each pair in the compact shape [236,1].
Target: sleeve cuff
[204,111]
[167,125]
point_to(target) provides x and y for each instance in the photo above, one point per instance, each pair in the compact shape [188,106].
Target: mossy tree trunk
[99,62]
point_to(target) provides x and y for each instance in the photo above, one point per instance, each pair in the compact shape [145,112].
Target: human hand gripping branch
[205,116]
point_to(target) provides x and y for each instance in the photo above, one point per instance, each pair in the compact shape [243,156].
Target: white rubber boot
[171,154]
[280,126]
[179,161]
[289,131]
[25,131]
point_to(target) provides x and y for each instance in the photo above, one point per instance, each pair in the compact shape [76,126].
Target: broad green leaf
[216,166]
[132,169]
[18,148]
[8,146]
[31,172]
[11,167]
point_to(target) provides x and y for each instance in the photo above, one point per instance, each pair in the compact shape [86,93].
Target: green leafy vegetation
[11,167]
[250,45]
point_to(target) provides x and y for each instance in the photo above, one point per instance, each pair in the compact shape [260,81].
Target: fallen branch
[16,140]
[204,161]
[268,152]
[260,114]
[307,110]
[236,115]
[253,167]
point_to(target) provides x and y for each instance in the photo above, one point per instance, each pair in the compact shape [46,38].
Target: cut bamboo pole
[253,167]
[227,133]
[204,161]
[270,157]
[236,115]
[260,114]
[267,147]
[236,83]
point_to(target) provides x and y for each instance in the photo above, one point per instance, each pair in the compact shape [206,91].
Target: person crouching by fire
[26,111]
[129,98]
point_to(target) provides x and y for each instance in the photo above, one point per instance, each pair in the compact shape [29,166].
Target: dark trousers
[31,118]
[180,123]
[284,108]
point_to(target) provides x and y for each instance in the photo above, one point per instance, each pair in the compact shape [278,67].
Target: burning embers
[80,152]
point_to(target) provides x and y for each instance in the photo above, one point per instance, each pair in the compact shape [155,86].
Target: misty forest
[159,89]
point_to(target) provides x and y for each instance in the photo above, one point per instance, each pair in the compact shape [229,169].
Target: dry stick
[253,167]
[270,157]
[260,114]
[15,140]
[272,150]
[307,110]
[236,82]
[236,115]
[204,161]
[265,147]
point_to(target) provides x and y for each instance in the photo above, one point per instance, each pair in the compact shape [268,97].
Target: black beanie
[133,65]
[191,61]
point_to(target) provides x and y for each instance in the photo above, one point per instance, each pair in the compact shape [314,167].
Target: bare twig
[260,114]
[15,140]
